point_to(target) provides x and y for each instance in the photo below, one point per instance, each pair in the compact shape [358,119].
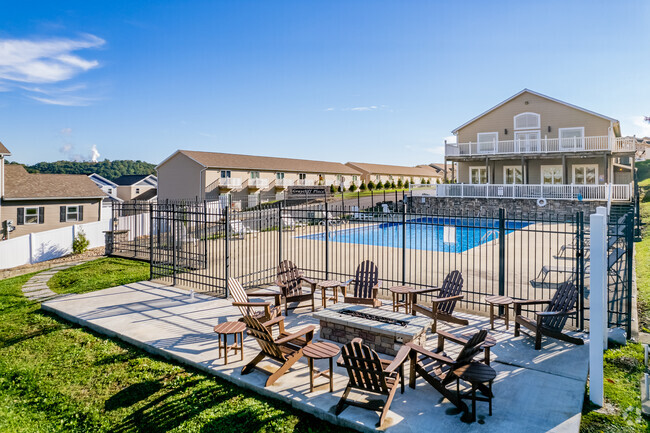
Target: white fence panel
[14,252]
[50,244]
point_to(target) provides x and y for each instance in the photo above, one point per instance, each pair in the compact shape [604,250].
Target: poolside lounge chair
[286,349]
[290,280]
[237,228]
[370,374]
[551,321]
[331,219]
[365,285]
[248,308]
[290,222]
[437,368]
[357,215]
[442,307]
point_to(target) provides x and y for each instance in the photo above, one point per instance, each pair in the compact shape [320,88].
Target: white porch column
[598,304]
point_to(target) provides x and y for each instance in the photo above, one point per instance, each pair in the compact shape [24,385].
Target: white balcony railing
[258,183]
[229,182]
[551,192]
[305,182]
[283,183]
[541,145]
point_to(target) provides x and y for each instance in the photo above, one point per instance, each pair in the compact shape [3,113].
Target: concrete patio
[534,391]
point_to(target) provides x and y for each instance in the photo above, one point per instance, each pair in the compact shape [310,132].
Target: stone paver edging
[36,289]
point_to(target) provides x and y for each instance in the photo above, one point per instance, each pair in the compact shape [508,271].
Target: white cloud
[639,127]
[66,101]
[66,131]
[45,61]
[361,108]
[94,153]
[25,63]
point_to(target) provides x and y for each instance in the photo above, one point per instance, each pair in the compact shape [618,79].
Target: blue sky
[374,81]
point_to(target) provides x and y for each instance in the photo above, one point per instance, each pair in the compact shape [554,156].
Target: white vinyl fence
[50,244]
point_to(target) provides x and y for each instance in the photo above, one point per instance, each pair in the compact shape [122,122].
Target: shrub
[390,185]
[353,187]
[422,181]
[429,181]
[379,185]
[363,186]
[332,188]
[340,188]
[371,185]
[406,184]
[437,180]
[80,243]
[400,184]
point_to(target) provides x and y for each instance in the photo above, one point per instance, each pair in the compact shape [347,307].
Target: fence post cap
[601,210]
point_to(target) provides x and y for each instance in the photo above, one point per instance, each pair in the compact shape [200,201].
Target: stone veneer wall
[491,206]
[377,342]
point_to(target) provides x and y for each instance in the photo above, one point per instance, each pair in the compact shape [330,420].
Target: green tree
[363,186]
[379,185]
[332,188]
[400,184]
[353,187]
[389,185]
[406,184]
[422,181]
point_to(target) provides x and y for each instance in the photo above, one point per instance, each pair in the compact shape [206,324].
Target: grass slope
[57,377]
[99,274]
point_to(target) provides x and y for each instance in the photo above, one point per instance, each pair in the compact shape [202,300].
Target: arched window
[527,121]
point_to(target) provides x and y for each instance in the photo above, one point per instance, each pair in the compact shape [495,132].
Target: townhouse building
[246,178]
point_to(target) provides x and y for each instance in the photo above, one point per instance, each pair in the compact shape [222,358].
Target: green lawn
[99,274]
[56,377]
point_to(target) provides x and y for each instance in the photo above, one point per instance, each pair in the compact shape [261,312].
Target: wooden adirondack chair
[247,308]
[370,374]
[286,349]
[365,285]
[290,280]
[437,368]
[442,307]
[551,321]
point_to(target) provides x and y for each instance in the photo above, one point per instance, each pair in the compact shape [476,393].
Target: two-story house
[532,146]
[139,187]
[109,187]
[246,178]
[394,173]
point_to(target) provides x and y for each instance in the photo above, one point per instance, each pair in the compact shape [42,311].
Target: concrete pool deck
[534,391]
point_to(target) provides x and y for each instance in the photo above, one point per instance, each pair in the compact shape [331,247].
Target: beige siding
[91,213]
[128,192]
[553,114]
[533,169]
[179,178]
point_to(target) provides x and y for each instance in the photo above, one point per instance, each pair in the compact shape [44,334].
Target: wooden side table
[329,284]
[231,328]
[321,350]
[401,292]
[477,374]
[501,301]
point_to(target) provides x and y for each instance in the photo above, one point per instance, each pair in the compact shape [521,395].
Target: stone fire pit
[340,323]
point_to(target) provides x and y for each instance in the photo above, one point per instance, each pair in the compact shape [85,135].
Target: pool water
[429,234]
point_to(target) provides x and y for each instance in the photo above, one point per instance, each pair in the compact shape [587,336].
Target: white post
[31,248]
[598,304]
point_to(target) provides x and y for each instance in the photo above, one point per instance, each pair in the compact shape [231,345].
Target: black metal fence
[525,256]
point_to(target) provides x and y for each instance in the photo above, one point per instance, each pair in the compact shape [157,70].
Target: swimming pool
[430,233]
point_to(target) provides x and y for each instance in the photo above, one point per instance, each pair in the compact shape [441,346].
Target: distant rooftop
[393,169]
[130,179]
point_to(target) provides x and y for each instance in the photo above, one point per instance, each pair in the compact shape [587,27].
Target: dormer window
[527,121]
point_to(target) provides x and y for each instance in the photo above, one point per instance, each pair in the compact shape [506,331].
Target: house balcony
[222,184]
[257,184]
[282,183]
[606,192]
[305,182]
[541,146]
